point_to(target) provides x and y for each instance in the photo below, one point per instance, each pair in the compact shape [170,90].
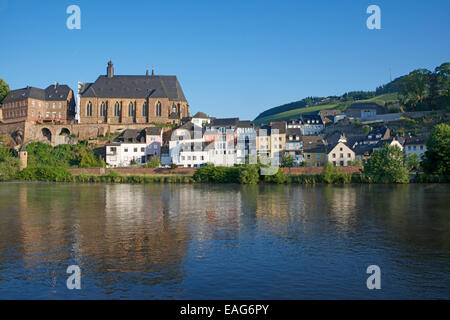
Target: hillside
[383,94]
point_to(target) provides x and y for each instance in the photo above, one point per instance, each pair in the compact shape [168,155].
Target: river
[162,241]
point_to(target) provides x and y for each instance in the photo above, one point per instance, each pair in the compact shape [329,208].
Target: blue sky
[233,58]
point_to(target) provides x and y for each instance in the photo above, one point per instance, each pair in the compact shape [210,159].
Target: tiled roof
[56,92]
[137,87]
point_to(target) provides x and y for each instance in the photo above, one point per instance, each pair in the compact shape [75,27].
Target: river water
[162,241]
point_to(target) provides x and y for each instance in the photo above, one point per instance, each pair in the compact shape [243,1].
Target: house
[154,140]
[200,119]
[415,145]
[271,140]
[246,142]
[128,99]
[129,148]
[340,154]
[222,134]
[294,145]
[314,150]
[193,155]
[311,124]
[362,110]
[54,104]
[391,141]
[328,116]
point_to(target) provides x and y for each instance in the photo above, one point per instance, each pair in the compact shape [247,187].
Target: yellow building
[271,140]
[315,151]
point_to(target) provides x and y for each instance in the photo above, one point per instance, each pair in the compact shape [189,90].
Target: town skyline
[234,59]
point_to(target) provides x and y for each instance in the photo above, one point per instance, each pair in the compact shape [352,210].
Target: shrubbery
[43,173]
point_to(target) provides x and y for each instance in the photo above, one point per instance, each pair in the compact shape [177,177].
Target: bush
[278,178]
[209,173]
[153,162]
[248,174]
[55,174]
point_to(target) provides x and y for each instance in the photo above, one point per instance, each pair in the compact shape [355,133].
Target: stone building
[55,104]
[128,99]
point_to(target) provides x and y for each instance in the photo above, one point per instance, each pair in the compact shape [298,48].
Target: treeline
[423,89]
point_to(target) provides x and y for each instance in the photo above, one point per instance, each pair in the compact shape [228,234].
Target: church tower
[110,70]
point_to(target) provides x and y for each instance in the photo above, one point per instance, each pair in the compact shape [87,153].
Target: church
[132,99]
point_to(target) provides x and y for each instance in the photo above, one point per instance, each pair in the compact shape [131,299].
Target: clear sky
[233,58]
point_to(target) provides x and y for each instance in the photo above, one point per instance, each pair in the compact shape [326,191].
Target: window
[145,109]
[334,155]
[60,105]
[158,109]
[142,149]
[60,115]
[47,105]
[89,109]
[47,114]
[126,150]
[32,103]
[308,156]
[130,109]
[102,110]
[155,146]
[117,109]
[54,105]
[113,149]
[135,149]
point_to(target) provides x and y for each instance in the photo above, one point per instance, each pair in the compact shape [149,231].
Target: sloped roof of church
[137,87]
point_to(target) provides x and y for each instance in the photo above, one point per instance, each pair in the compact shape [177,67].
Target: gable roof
[224,122]
[201,115]
[137,87]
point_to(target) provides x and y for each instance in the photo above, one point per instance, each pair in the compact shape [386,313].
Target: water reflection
[197,241]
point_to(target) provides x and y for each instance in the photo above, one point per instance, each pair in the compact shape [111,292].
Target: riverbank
[247,174]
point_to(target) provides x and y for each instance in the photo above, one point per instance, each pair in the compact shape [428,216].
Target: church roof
[137,87]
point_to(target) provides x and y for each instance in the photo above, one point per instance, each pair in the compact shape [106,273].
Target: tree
[415,87]
[287,161]
[412,161]
[356,163]
[248,174]
[154,162]
[4,89]
[387,166]
[366,130]
[437,156]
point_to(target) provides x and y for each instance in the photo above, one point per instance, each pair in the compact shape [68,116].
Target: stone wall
[317,170]
[134,171]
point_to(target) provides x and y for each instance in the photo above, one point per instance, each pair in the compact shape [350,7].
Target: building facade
[124,99]
[55,104]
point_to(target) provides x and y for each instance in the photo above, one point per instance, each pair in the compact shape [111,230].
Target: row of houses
[226,142]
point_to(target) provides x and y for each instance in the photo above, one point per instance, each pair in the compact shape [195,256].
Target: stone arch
[47,134]
[65,132]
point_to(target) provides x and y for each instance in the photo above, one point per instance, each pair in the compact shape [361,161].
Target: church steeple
[110,70]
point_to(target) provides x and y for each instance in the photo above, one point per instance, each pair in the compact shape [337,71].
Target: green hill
[384,94]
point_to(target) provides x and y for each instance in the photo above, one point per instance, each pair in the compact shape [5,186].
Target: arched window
[89,109]
[174,108]
[158,109]
[102,110]
[117,109]
[130,109]
[145,109]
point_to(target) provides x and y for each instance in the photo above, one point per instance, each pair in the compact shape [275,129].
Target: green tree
[249,174]
[415,87]
[387,166]
[437,156]
[366,129]
[4,89]
[154,162]
[9,165]
[279,177]
[356,163]
[287,161]
[412,161]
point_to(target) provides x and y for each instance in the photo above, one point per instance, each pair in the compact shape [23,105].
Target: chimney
[110,70]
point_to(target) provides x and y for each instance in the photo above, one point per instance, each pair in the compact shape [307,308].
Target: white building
[124,154]
[340,154]
[200,119]
[415,146]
